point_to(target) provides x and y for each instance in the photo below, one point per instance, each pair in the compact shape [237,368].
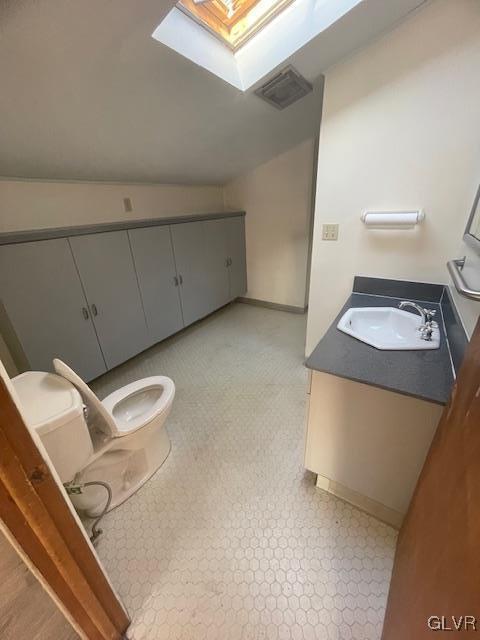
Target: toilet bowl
[121,440]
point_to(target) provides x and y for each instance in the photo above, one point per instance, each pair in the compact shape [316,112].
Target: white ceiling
[86,93]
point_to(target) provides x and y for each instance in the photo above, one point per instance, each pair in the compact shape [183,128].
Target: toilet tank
[53,408]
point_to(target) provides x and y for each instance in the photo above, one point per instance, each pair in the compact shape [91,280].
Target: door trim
[37,516]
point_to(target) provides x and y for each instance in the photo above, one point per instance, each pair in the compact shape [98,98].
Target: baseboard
[272,305]
[372,507]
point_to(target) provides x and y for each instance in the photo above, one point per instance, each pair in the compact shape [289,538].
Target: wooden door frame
[38,518]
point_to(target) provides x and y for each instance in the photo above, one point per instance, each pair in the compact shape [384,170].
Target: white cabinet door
[201,258]
[158,280]
[46,307]
[215,243]
[235,229]
[106,268]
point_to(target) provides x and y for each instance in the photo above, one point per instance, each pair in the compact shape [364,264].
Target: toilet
[121,440]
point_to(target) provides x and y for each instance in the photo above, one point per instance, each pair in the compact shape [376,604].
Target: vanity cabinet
[107,272]
[95,299]
[367,445]
[44,309]
[158,280]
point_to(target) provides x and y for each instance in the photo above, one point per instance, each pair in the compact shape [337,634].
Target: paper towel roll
[398,219]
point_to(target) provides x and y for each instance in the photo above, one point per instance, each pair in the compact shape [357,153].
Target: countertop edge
[401,392]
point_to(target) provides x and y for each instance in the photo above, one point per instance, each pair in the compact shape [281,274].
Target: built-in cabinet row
[96,300]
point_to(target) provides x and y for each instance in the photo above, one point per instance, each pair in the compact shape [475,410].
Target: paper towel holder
[393,219]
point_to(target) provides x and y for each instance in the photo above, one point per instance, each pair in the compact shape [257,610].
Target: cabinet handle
[85,313]
[180,279]
[175,281]
[94,309]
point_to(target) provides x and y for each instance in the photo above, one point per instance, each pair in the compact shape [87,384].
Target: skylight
[217,34]
[232,21]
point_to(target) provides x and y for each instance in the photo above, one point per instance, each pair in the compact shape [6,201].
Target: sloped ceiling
[86,93]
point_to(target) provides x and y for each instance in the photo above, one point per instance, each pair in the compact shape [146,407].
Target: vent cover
[284,89]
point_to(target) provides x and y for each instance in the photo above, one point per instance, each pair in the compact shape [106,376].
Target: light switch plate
[330,232]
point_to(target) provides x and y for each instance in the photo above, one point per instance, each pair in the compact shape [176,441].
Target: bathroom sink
[387,328]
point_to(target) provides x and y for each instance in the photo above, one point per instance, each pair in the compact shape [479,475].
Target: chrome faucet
[427,315]
[414,305]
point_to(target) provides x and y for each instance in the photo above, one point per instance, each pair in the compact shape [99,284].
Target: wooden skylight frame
[233,22]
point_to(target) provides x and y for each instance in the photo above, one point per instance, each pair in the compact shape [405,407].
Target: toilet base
[125,471]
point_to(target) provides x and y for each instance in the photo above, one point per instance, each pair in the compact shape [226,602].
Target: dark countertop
[426,375]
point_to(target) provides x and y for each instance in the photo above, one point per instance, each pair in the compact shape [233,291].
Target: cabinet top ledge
[30,235]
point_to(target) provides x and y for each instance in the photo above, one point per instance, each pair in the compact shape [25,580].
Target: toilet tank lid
[48,401]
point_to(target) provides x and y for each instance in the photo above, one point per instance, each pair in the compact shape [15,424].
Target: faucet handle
[429,315]
[427,329]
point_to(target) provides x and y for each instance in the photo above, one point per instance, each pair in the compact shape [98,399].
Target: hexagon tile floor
[230,539]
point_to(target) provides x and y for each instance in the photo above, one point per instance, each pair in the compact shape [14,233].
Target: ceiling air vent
[286,87]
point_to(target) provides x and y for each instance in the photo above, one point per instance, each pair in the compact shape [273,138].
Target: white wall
[26,204]
[277,197]
[400,129]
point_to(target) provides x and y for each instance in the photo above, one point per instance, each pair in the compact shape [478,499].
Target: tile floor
[231,540]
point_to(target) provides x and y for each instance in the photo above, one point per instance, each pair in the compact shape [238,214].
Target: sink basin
[387,328]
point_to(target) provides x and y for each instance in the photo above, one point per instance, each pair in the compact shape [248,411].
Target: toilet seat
[138,403]
[126,410]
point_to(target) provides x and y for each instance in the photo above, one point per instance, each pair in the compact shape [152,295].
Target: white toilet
[121,440]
